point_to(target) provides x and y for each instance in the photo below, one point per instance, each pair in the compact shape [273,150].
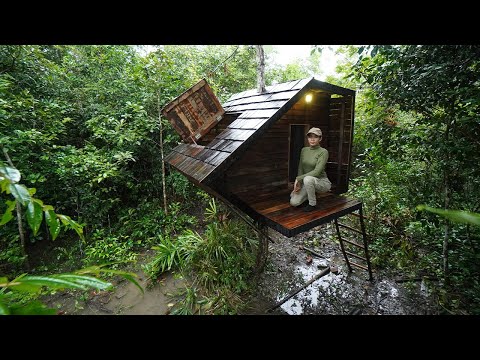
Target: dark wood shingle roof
[254,113]
[257,111]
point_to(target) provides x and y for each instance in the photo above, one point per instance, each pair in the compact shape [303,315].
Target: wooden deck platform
[275,210]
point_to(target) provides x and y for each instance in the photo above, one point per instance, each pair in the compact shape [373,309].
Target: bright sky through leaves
[286,54]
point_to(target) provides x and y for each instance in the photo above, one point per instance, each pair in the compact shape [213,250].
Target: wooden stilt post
[342,246]
[262,251]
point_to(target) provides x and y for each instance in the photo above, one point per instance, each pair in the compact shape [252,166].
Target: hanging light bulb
[308,98]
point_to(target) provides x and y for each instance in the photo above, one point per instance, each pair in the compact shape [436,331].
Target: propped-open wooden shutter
[195,112]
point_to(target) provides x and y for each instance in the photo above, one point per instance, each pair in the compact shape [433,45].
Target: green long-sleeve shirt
[312,162]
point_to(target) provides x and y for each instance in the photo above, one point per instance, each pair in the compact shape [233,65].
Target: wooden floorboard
[314,215]
[279,214]
[299,215]
[267,205]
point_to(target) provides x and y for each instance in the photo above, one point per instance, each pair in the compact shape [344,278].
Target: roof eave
[334,89]
[259,132]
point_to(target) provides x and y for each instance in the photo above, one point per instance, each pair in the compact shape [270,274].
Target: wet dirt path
[126,298]
[346,293]
[288,267]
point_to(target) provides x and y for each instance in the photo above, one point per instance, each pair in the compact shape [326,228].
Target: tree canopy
[81,124]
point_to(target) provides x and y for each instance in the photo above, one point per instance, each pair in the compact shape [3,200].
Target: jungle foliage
[219,263]
[417,143]
[82,126]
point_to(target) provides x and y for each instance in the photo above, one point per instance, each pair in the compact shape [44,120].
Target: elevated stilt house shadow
[246,153]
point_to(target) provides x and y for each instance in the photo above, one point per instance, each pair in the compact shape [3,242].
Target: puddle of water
[292,307]
[343,293]
[310,296]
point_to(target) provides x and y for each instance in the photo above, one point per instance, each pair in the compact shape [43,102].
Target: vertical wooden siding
[340,125]
[264,166]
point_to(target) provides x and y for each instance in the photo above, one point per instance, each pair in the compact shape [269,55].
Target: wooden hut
[246,152]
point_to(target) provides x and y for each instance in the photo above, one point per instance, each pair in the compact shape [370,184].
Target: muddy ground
[125,298]
[346,293]
[289,266]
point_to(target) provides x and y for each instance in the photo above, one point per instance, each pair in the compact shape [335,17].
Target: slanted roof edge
[260,131]
[228,161]
[331,88]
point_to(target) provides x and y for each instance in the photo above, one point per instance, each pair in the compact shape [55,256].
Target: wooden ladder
[354,245]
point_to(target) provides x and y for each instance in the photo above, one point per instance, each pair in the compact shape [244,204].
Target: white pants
[310,186]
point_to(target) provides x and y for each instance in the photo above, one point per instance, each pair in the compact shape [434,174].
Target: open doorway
[297,142]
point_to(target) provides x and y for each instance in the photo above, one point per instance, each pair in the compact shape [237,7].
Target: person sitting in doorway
[311,176]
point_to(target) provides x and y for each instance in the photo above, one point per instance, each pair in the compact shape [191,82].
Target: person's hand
[296,186]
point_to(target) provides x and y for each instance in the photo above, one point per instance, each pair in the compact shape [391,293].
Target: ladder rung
[355,255]
[350,228]
[359,266]
[353,243]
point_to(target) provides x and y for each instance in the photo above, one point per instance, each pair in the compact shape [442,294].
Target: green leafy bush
[11,257]
[106,248]
[220,260]
[19,296]
[147,222]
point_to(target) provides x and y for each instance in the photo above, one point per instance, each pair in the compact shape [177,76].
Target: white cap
[315,131]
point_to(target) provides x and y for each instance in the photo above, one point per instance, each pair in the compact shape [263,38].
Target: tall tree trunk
[260,69]
[21,232]
[165,207]
[446,234]
[446,185]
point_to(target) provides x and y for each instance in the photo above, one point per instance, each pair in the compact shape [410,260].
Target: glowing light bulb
[308,98]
